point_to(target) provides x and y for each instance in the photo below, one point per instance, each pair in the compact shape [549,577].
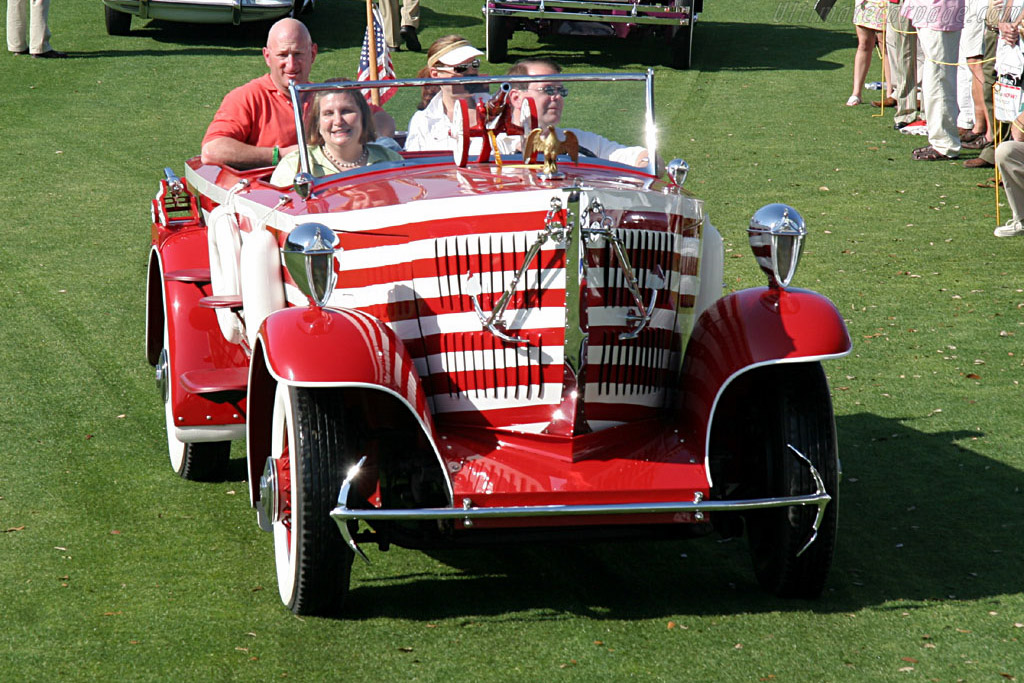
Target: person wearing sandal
[938,24]
[868,17]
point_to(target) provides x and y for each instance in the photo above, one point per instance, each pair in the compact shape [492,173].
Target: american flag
[385,69]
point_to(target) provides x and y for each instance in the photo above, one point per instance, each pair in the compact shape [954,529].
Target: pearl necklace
[346,164]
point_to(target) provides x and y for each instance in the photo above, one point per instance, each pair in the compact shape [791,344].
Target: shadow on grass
[922,519]
[717,46]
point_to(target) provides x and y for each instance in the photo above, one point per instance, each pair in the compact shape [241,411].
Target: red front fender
[749,329]
[324,347]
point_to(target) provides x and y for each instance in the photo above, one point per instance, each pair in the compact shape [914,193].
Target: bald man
[255,125]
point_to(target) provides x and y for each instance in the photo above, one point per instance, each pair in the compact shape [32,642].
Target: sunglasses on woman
[462,68]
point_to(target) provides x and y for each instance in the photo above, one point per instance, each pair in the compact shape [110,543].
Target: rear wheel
[681,41]
[800,417]
[118,23]
[497,37]
[310,454]
[199,461]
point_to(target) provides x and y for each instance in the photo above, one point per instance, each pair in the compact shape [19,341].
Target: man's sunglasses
[463,68]
[552,90]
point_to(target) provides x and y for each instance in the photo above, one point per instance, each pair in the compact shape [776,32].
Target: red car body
[405,411]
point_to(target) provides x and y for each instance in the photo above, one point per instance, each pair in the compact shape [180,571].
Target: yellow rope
[881,55]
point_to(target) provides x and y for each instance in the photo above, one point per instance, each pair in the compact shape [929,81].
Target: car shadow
[923,518]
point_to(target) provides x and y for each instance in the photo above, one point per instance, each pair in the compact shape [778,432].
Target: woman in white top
[429,127]
[338,138]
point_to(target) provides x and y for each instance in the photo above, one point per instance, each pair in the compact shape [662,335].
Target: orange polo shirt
[256,113]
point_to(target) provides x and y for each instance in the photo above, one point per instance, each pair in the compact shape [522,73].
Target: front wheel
[798,418]
[496,39]
[310,454]
[118,23]
[681,41]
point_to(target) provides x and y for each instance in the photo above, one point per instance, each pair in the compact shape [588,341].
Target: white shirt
[429,129]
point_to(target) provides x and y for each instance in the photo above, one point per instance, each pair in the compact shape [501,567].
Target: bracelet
[276,156]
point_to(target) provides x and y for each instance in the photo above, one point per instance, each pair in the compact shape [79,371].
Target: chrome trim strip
[464,80]
[650,130]
[576,323]
[344,513]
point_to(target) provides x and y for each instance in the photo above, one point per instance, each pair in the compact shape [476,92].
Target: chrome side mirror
[309,257]
[776,236]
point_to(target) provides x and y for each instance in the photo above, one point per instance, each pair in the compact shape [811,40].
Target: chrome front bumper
[342,514]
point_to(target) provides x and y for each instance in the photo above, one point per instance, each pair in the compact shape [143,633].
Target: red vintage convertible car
[475,347]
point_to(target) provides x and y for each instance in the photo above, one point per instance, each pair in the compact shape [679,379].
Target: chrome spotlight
[304,184]
[776,236]
[309,257]
[677,170]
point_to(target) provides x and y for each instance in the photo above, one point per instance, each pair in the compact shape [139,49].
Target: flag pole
[372,33]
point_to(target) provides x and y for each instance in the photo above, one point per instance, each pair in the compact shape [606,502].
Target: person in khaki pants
[1009,157]
[27,29]
[901,48]
[410,22]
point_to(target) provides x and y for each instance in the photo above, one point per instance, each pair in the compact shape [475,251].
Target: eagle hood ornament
[547,142]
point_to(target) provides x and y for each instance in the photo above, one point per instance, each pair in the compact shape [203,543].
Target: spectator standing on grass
[1001,24]
[868,17]
[972,52]
[400,24]
[255,124]
[938,24]
[1009,157]
[28,29]
[901,48]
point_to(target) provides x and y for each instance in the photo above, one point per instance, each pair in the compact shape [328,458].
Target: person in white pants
[28,30]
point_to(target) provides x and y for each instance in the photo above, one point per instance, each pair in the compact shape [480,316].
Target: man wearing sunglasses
[550,100]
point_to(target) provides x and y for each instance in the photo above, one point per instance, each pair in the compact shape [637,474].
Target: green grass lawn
[112,568]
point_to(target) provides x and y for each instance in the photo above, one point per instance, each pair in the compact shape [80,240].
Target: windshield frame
[296,92]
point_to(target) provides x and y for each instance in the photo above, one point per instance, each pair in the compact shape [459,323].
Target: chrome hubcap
[269,493]
[162,380]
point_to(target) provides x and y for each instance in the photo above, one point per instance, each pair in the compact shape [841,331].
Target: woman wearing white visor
[448,57]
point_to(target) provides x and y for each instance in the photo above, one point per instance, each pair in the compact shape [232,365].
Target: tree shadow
[922,519]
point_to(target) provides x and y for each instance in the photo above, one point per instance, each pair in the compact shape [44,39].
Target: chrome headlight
[309,257]
[776,236]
